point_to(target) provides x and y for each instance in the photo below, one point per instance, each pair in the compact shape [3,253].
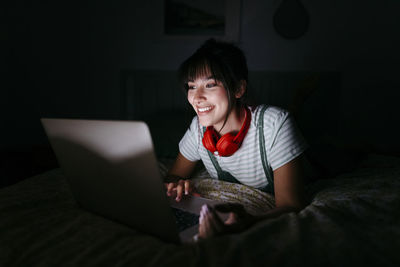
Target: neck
[234,122]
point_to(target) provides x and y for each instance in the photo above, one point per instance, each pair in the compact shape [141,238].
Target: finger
[237,211]
[216,221]
[212,219]
[231,219]
[207,226]
[209,229]
[188,189]
[166,187]
[179,190]
[204,229]
[204,226]
[201,230]
[170,187]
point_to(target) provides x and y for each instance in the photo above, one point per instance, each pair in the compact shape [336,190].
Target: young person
[258,146]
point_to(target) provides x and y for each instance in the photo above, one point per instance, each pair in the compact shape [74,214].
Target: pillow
[252,199]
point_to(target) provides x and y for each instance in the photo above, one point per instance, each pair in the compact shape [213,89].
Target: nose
[199,95]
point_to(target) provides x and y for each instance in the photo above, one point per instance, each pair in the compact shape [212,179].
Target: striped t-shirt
[283,143]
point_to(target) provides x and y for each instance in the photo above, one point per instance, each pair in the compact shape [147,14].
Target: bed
[352,218]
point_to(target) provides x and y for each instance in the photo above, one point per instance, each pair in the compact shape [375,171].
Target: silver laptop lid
[112,171]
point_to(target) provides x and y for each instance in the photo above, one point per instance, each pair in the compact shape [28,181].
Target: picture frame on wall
[200,19]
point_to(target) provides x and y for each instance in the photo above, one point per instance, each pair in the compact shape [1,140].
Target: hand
[212,225]
[176,187]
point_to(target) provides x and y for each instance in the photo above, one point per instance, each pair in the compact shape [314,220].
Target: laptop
[112,170]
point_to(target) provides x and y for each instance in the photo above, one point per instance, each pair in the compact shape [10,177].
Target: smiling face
[215,80]
[209,98]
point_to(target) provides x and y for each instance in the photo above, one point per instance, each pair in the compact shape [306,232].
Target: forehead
[201,78]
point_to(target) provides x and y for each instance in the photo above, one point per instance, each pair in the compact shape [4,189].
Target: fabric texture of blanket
[351,220]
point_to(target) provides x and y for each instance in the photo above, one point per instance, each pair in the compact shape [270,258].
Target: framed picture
[191,19]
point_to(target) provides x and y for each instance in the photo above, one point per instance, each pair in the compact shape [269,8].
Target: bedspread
[351,220]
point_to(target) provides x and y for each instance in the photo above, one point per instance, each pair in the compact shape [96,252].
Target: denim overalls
[226,176]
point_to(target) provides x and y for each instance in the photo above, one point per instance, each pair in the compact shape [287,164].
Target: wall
[64,59]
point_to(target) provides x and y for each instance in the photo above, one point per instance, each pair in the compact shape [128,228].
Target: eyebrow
[206,79]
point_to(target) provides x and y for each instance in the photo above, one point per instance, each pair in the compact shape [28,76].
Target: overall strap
[267,169]
[222,175]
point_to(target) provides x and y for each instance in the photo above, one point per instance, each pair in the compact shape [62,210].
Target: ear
[242,89]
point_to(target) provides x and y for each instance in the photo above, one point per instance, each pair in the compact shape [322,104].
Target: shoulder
[195,127]
[195,122]
[191,135]
[272,116]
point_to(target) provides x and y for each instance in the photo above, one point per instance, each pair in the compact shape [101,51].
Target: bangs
[199,67]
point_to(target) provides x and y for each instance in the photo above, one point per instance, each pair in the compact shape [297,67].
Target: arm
[181,168]
[289,189]
[289,197]
[177,177]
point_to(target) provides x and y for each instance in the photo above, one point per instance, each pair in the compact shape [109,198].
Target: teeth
[204,109]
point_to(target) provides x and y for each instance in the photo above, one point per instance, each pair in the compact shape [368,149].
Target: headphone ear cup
[226,145]
[209,140]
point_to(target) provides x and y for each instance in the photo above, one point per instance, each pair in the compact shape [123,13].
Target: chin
[204,123]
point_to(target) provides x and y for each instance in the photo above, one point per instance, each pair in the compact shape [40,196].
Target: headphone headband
[245,127]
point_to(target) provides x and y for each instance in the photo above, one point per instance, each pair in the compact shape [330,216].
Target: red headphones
[228,143]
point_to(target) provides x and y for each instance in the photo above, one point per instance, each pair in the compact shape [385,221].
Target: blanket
[351,220]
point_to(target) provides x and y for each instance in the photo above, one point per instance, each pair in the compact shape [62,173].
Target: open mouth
[204,110]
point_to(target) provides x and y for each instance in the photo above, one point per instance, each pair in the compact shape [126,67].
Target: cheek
[190,97]
[222,96]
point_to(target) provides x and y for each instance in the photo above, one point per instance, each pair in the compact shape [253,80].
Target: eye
[191,87]
[211,85]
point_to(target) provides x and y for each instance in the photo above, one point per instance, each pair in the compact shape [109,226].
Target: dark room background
[64,58]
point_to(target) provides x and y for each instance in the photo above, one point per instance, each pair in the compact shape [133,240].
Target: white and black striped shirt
[283,143]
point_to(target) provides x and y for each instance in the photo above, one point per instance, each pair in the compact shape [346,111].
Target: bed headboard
[154,96]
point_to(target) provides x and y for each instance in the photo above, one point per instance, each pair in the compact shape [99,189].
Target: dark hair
[224,61]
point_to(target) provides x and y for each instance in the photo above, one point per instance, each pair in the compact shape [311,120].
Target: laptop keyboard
[184,219]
